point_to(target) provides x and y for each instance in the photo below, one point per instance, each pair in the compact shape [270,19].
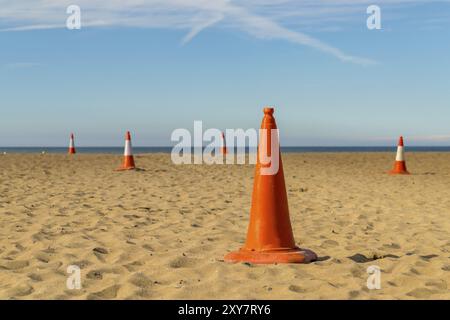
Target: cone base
[399,168]
[127,164]
[296,255]
[125,169]
[393,172]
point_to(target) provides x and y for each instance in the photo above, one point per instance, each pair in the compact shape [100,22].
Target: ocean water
[142,150]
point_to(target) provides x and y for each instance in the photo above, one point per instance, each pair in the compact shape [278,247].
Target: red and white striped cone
[72,145]
[223,149]
[400,164]
[128,159]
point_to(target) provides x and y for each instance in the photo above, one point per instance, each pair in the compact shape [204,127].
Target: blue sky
[154,66]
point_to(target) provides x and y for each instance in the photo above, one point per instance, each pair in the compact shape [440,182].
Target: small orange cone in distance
[72,144]
[128,159]
[400,164]
[269,236]
[223,149]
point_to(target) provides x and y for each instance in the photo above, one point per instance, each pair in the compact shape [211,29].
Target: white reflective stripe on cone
[400,154]
[128,151]
[71,144]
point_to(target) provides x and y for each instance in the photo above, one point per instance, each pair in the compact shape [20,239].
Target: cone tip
[400,141]
[128,135]
[71,135]
[269,110]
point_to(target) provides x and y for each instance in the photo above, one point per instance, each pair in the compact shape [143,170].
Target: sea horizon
[168,149]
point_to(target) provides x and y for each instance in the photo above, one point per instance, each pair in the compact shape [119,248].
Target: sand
[162,233]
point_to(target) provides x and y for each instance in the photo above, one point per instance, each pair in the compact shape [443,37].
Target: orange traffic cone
[400,164]
[128,159]
[72,145]
[269,235]
[223,149]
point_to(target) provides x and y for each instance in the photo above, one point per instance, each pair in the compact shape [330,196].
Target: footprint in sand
[140,280]
[421,293]
[35,277]
[353,294]
[252,276]
[20,247]
[415,271]
[357,271]
[95,275]
[438,284]
[14,265]
[21,291]
[108,293]
[148,247]
[100,253]
[43,257]
[131,267]
[182,262]
[296,289]
[392,245]
[329,244]
[429,257]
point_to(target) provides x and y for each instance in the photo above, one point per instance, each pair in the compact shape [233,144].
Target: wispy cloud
[201,24]
[274,19]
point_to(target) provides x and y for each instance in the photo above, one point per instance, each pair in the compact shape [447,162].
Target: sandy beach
[162,232]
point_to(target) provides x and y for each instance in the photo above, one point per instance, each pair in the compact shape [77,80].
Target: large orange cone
[128,159]
[223,149]
[72,144]
[400,164]
[269,235]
